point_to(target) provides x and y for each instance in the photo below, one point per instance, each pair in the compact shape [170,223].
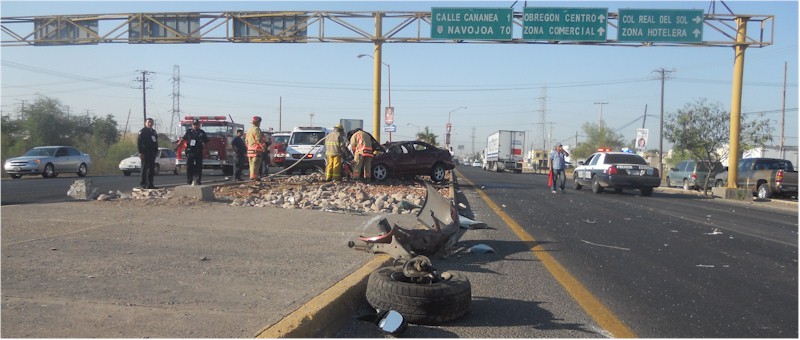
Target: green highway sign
[564,24]
[660,25]
[471,23]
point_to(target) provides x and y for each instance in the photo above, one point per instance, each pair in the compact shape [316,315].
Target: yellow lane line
[603,316]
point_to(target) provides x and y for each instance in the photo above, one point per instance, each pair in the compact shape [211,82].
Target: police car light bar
[204,118]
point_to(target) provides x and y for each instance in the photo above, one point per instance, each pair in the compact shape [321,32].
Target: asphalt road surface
[671,265]
[35,189]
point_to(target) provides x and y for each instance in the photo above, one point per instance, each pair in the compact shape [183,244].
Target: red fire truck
[218,153]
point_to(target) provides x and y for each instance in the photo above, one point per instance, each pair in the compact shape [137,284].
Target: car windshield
[306,138]
[41,152]
[624,158]
[281,139]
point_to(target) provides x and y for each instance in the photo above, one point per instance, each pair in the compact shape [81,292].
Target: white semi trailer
[504,151]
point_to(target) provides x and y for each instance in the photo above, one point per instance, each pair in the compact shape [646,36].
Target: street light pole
[417,128]
[449,126]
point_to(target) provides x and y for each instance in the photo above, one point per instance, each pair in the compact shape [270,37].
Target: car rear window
[773,164]
[620,158]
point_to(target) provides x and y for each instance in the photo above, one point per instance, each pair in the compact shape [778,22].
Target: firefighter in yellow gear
[361,144]
[256,146]
[335,147]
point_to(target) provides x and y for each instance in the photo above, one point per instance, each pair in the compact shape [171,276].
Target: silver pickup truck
[765,177]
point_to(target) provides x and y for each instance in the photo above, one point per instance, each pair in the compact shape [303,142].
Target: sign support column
[736,100]
[376,83]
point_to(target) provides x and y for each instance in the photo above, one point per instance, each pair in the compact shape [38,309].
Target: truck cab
[218,153]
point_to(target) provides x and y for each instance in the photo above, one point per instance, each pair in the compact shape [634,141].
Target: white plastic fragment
[480,249]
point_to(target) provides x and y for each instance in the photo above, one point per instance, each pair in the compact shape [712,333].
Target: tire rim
[438,172]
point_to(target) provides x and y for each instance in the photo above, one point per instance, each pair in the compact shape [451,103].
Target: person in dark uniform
[147,143]
[195,139]
[240,155]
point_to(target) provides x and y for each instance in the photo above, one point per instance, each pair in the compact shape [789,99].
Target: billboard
[641,139]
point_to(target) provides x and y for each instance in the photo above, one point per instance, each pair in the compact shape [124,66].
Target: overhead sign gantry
[584,26]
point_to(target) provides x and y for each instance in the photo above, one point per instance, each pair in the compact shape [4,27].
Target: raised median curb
[328,312]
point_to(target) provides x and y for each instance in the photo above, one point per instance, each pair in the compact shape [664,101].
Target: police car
[618,171]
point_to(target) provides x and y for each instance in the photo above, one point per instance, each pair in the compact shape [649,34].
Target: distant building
[771,151]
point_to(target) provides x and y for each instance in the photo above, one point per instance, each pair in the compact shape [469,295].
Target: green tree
[427,136]
[46,122]
[598,135]
[703,130]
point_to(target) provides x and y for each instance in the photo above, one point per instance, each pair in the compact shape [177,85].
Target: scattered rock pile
[306,192]
[310,192]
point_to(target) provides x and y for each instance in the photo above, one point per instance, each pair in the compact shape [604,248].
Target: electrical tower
[176,97]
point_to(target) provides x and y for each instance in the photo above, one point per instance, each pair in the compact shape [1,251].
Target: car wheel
[175,171]
[646,191]
[15,176]
[686,185]
[763,191]
[575,184]
[596,188]
[429,304]
[380,172]
[156,169]
[49,171]
[437,173]
[83,170]
[126,173]
[669,184]
[179,169]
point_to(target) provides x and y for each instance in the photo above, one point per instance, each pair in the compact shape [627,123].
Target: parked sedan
[617,170]
[411,158]
[166,160]
[49,161]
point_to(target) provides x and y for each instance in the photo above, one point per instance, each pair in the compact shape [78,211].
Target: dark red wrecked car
[411,158]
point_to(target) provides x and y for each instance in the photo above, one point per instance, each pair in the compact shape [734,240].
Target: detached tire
[426,304]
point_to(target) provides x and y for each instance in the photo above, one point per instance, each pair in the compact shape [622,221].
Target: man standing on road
[361,144]
[558,164]
[147,144]
[195,139]
[255,147]
[335,147]
[239,152]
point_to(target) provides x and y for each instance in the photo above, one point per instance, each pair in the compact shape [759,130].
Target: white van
[306,146]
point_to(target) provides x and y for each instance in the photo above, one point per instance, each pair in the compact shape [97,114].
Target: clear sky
[501,85]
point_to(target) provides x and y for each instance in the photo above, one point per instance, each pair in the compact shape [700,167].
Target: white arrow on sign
[602,18]
[696,32]
[697,20]
[601,31]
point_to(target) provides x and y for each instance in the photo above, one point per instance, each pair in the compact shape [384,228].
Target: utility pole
[473,141]
[176,97]
[644,117]
[144,80]
[543,110]
[311,119]
[601,109]
[663,74]
[21,109]
[783,112]
[280,113]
